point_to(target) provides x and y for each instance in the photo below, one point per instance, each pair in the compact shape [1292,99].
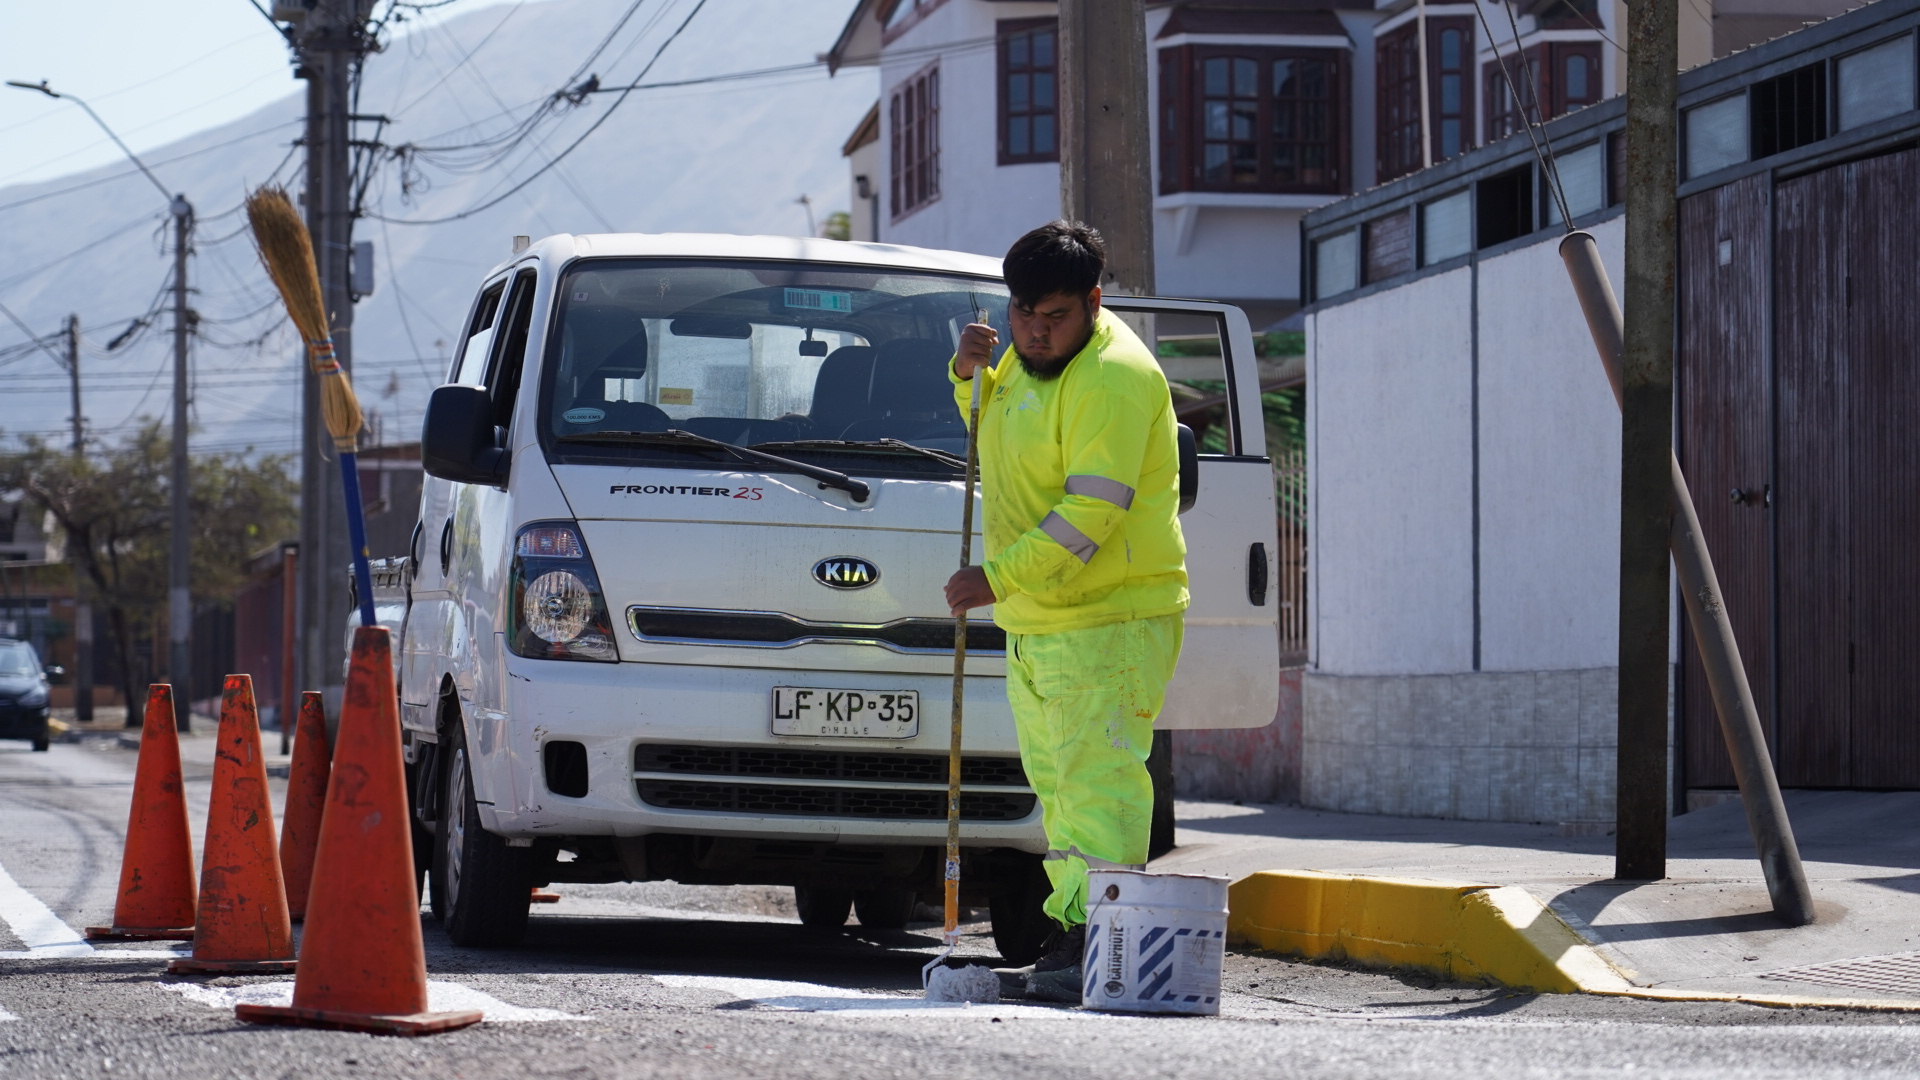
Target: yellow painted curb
[1465,933]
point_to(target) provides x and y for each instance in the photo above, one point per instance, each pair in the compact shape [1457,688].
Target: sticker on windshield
[583,416]
[673,395]
[840,303]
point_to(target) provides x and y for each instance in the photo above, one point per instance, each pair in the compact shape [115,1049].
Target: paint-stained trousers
[1084,702]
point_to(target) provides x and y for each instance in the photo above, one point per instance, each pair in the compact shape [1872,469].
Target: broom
[943,983]
[287,252]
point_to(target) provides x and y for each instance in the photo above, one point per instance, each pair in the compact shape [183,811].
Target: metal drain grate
[1898,973]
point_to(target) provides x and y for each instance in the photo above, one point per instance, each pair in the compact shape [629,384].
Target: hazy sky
[153,69]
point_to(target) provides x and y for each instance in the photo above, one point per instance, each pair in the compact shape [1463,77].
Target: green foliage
[839,226]
[113,510]
[1280,343]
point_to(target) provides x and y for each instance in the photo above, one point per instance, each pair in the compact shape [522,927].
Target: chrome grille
[778,630]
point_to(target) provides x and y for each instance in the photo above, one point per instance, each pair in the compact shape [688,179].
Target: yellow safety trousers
[1084,702]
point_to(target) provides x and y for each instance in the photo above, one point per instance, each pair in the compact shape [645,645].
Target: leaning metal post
[1707,613]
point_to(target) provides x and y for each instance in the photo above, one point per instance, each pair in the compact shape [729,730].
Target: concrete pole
[1646,443]
[1106,170]
[180,537]
[82,602]
[1707,614]
[331,40]
[1426,93]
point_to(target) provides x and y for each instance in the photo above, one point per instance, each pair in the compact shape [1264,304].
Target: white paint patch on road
[441,997]
[812,997]
[100,954]
[35,924]
[6,1016]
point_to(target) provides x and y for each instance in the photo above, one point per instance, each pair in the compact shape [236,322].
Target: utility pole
[82,602]
[330,42]
[180,540]
[1646,442]
[1106,173]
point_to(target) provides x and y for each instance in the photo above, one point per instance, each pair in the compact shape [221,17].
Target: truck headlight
[555,609]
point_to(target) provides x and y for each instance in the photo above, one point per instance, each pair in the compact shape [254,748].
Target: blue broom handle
[357,531]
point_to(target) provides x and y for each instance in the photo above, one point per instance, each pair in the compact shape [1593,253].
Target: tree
[839,226]
[111,508]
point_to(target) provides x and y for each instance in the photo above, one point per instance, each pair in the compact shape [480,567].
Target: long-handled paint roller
[941,982]
[287,252]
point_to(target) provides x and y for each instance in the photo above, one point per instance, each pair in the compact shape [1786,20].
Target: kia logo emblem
[845,572]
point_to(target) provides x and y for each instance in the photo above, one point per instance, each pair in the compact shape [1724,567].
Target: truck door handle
[1257,575]
[446,547]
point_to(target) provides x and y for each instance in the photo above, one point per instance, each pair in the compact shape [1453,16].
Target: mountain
[719,156]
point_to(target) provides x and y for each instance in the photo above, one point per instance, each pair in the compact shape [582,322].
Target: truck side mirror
[1189,467]
[55,674]
[458,441]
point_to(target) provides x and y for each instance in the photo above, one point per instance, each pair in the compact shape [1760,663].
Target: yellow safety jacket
[1080,479]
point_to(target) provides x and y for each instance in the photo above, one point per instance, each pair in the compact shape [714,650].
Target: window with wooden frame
[914,110]
[1253,118]
[1029,55]
[1449,94]
[1565,76]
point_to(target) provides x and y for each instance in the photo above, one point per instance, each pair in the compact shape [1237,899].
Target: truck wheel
[480,885]
[823,909]
[1160,768]
[884,909]
[40,745]
[1021,928]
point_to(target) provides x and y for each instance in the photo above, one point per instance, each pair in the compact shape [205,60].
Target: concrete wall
[1464,491]
[1245,764]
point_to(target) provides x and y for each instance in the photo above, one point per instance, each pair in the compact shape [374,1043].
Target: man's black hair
[1058,257]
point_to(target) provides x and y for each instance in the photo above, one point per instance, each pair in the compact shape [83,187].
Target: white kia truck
[673,608]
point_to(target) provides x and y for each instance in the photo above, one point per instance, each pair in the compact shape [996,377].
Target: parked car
[673,607]
[23,694]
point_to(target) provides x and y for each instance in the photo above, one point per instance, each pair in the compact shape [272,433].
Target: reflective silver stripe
[1099,487]
[1092,863]
[1068,537]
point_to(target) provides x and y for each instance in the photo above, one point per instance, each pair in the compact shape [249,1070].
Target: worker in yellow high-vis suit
[1085,564]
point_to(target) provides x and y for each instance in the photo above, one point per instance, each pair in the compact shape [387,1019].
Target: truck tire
[1160,768]
[480,885]
[1021,928]
[822,909]
[884,909]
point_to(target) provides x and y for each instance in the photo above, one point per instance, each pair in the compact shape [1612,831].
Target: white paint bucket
[1155,942]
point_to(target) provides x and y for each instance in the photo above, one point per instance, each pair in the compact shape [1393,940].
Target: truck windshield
[843,367]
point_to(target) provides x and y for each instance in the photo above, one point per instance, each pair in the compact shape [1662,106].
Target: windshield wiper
[856,488]
[868,444]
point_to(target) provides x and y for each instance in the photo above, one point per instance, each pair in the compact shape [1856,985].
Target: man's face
[1053,329]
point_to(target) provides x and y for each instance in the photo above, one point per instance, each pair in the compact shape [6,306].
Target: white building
[1262,111]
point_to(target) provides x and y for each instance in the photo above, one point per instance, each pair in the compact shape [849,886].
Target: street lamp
[179,599]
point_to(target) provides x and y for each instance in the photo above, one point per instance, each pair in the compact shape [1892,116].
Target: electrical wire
[595,126]
[1543,156]
[97,181]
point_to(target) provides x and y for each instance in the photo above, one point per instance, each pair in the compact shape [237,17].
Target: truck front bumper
[690,749]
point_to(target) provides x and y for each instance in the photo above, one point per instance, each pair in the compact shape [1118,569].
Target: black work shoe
[1059,985]
[1066,950]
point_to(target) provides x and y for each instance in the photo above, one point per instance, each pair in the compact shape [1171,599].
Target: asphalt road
[688,982]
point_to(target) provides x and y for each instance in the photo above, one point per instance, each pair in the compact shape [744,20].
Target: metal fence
[1290,488]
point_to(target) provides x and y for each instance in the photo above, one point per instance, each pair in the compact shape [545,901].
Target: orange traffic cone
[543,896]
[242,926]
[362,964]
[156,870]
[306,797]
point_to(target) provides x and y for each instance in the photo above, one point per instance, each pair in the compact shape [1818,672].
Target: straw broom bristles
[287,252]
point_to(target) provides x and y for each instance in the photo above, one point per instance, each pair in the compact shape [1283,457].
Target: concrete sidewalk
[1707,927]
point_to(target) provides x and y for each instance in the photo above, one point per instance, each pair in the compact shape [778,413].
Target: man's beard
[1046,373]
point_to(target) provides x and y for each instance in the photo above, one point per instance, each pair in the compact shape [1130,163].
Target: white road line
[812,997]
[35,924]
[6,1016]
[441,997]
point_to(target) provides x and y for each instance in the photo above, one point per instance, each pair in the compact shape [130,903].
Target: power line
[497,200]
[96,182]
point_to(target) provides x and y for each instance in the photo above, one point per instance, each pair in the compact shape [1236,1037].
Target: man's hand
[977,343]
[968,588]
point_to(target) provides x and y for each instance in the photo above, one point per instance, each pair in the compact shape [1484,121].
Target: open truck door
[1229,666]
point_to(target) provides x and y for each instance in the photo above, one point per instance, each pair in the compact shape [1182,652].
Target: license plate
[847,714]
